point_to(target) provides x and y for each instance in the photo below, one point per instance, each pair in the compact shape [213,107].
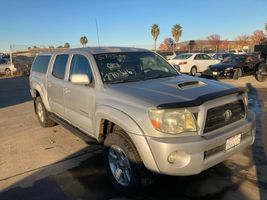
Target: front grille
[220,116]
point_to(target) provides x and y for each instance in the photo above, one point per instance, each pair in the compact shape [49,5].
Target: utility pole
[11,58]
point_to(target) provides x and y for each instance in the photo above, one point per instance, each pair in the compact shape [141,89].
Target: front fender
[130,126]
[118,117]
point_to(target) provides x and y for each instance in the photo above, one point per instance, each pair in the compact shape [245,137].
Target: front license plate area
[232,142]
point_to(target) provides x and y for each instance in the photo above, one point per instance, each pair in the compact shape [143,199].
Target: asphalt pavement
[53,163]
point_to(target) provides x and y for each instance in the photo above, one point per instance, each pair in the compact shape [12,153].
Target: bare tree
[167,45]
[214,40]
[242,40]
[225,44]
[257,37]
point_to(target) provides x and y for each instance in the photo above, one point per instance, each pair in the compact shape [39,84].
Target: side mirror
[80,79]
[177,67]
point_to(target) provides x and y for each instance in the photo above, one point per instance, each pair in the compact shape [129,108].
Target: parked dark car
[23,65]
[221,56]
[235,66]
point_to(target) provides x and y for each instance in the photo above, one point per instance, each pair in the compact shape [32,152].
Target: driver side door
[79,99]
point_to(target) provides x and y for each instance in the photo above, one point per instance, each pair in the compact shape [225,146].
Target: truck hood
[168,91]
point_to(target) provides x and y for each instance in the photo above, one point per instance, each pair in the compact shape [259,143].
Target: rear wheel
[8,72]
[123,164]
[237,74]
[193,71]
[42,113]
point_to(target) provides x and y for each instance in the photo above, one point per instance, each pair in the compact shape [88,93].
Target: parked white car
[6,68]
[171,56]
[193,62]
[237,51]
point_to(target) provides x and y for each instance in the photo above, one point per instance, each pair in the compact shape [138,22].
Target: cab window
[41,63]
[59,67]
[80,65]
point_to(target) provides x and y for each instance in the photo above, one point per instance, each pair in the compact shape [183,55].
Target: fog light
[179,158]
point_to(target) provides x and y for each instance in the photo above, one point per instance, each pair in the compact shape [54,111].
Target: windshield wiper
[157,76]
[124,80]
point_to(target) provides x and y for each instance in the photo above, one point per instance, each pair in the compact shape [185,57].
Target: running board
[83,136]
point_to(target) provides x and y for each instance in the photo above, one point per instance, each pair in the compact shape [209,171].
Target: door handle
[66,90]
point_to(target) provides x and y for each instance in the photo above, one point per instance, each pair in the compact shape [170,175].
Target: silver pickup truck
[142,110]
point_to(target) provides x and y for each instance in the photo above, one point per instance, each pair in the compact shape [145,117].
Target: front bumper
[218,74]
[198,153]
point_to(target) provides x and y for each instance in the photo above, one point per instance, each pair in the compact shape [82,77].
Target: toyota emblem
[227,115]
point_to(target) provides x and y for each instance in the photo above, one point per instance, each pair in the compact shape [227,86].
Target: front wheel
[259,76]
[237,74]
[122,163]
[193,71]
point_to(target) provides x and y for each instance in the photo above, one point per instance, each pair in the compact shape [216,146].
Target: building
[208,46]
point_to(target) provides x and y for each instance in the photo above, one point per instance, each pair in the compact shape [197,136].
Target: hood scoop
[190,84]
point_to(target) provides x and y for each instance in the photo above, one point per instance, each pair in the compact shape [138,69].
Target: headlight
[173,121]
[229,68]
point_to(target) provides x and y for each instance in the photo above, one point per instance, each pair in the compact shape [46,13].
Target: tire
[42,114]
[237,74]
[121,159]
[258,76]
[193,71]
[8,72]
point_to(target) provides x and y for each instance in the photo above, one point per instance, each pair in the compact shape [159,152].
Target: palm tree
[155,33]
[66,45]
[83,41]
[176,33]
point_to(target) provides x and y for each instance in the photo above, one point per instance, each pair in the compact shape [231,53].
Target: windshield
[3,61]
[132,66]
[234,59]
[183,56]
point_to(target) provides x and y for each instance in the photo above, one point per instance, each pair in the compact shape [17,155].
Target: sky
[124,22]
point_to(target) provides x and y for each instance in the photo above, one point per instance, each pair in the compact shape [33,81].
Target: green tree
[266,28]
[155,33]
[67,45]
[83,41]
[176,33]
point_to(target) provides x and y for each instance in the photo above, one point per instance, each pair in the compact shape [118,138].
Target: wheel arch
[194,66]
[119,120]
[36,90]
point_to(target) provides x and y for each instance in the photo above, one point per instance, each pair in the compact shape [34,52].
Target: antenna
[97,32]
